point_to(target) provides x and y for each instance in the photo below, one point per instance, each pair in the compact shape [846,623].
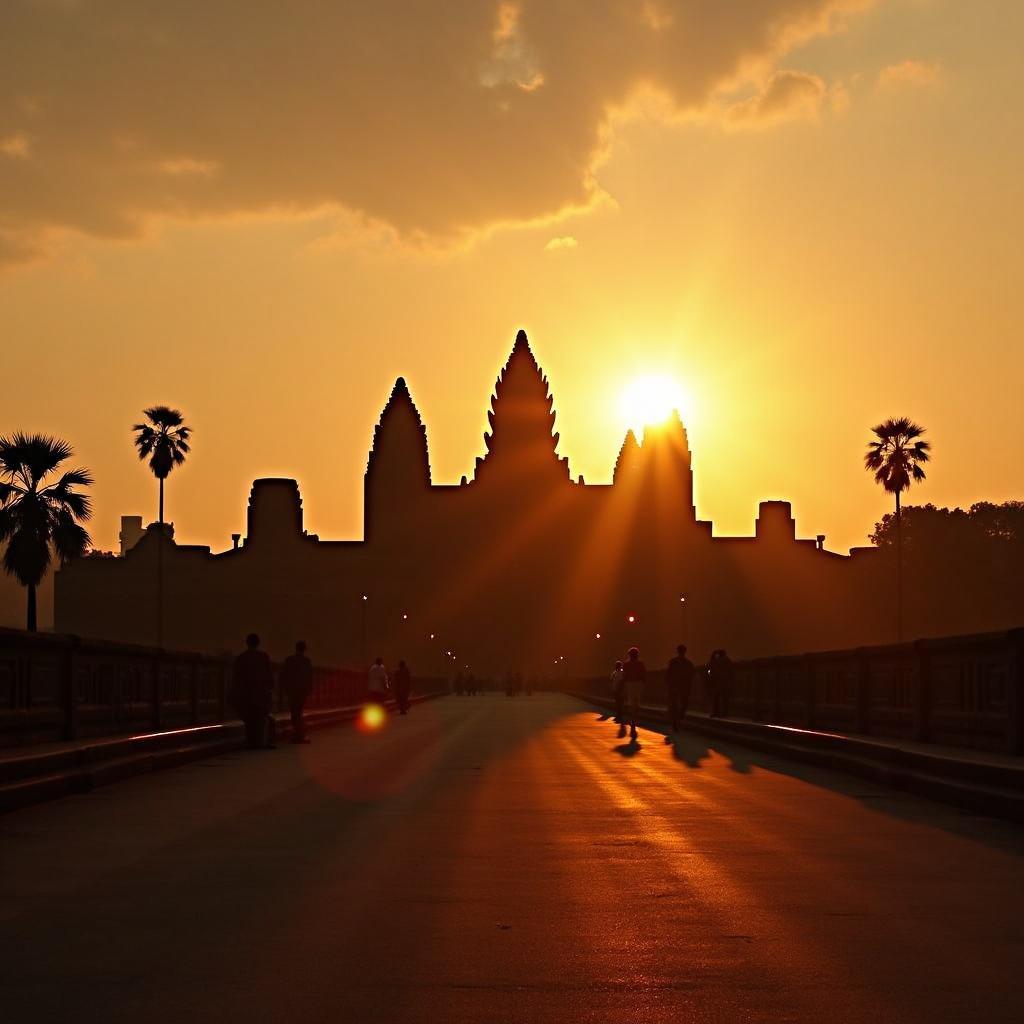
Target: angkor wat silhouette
[519,568]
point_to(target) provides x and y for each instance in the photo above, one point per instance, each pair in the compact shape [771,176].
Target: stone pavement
[494,860]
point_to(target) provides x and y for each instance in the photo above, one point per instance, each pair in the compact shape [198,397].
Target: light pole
[362,635]
[682,616]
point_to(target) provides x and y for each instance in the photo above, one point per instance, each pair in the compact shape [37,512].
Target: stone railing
[63,687]
[963,691]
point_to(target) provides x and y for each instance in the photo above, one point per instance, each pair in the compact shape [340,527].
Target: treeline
[963,568]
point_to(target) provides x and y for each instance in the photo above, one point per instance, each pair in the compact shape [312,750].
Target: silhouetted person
[403,687]
[678,680]
[720,673]
[634,672]
[378,682]
[252,693]
[618,681]
[297,679]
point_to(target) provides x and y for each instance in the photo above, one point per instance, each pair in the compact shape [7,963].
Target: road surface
[501,860]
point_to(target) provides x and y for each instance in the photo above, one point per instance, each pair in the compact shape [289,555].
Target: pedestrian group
[628,679]
[252,691]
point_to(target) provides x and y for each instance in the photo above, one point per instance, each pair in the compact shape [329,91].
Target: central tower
[522,444]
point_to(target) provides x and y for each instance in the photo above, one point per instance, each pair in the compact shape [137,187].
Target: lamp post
[682,616]
[362,628]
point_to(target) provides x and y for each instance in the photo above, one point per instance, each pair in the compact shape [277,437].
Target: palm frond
[70,539]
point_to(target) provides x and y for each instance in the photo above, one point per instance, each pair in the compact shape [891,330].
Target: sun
[650,399]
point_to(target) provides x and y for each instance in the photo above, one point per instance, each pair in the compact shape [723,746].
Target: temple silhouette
[519,567]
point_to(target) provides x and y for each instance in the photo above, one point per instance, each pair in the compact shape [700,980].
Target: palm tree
[40,520]
[164,441]
[895,457]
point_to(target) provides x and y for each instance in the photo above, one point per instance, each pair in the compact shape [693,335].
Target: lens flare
[371,718]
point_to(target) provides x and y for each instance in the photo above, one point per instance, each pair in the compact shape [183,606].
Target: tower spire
[628,464]
[521,438]
[398,468]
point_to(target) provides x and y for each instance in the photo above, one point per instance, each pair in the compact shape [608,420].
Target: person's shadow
[690,749]
[630,749]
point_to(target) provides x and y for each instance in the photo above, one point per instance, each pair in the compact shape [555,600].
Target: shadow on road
[691,749]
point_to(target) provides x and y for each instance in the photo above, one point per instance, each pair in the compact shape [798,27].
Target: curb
[36,778]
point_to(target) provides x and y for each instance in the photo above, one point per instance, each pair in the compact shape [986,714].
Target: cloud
[786,96]
[910,73]
[561,244]
[17,147]
[434,120]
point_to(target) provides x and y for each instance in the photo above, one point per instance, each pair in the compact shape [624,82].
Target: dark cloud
[435,118]
[786,95]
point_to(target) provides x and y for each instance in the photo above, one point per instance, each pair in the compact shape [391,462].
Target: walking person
[634,673]
[678,680]
[378,683]
[403,687]
[297,680]
[252,694]
[618,681]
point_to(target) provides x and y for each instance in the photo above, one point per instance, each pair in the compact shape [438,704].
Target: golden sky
[806,212]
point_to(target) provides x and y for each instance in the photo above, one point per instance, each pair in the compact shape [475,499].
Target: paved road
[494,860]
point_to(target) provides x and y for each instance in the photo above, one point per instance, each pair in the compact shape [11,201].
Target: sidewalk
[977,780]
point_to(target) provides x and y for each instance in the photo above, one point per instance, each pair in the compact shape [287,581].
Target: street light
[362,632]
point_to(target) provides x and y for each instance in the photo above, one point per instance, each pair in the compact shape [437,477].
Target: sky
[805,214]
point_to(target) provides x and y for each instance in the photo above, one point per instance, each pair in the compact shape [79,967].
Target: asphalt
[498,860]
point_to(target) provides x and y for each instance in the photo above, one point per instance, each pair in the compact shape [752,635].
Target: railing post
[862,697]
[777,700]
[1015,695]
[922,705]
[156,712]
[809,692]
[225,682]
[193,693]
[68,704]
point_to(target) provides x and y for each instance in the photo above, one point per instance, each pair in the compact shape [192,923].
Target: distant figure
[378,682]
[403,687]
[678,680]
[297,680]
[618,681]
[252,694]
[720,674]
[634,673]
[458,684]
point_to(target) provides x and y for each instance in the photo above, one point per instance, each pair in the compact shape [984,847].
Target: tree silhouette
[40,520]
[164,441]
[895,457]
